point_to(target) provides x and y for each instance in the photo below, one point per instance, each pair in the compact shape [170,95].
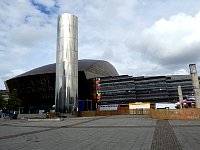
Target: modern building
[98,84]
[36,88]
[125,89]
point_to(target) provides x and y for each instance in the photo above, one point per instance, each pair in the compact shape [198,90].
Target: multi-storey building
[125,89]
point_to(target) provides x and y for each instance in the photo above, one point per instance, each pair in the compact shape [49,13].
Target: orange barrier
[177,114]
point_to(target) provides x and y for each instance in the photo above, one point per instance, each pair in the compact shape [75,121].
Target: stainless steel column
[66,92]
[195,83]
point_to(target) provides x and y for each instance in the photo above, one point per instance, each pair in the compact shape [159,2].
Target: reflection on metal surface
[66,92]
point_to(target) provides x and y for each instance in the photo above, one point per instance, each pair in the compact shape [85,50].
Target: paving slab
[126,132]
[187,133]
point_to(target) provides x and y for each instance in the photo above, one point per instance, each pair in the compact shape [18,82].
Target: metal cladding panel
[83,65]
[66,92]
[100,69]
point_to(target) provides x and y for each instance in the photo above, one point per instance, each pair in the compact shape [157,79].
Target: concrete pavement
[127,132]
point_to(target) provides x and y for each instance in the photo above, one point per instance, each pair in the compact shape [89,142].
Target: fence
[177,114]
[139,111]
[114,112]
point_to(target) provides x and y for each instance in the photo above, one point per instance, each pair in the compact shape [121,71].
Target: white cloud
[29,35]
[173,41]
[138,38]
[28,38]
[8,75]
[181,72]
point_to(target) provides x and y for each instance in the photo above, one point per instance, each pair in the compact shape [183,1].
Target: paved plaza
[126,132]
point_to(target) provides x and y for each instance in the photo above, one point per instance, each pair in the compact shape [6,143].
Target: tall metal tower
[66,92]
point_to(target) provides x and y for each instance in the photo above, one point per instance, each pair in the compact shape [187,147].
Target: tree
[14,102]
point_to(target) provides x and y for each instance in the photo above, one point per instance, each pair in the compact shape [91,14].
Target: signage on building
[98,92]
[139,105]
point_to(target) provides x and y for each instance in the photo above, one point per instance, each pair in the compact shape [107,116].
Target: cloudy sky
[139,37]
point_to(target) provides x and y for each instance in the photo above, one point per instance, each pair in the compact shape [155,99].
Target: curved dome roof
[92,68]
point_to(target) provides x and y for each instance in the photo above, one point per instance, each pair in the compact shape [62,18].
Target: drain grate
[164,137]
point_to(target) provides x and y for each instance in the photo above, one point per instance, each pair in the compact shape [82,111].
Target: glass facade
[35,92]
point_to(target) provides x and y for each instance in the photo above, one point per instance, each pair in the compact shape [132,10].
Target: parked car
[187,103]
